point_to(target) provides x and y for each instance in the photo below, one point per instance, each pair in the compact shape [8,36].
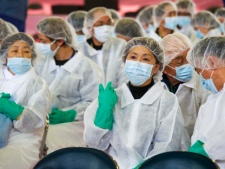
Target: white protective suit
[154,35]
[109,59]
[210,127]
[142,128]
[73,86]
[188,31]
[191,95]
[32,93]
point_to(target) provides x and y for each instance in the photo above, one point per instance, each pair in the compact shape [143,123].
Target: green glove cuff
[69,115]
[104,118]
[5,95]
[137,166]
[198,148]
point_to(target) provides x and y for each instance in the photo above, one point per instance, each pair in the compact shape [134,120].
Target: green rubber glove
[10,108]
[106,101]
[60,116]
[198,148]
[5,95]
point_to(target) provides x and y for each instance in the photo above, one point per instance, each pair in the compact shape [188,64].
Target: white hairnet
[12,27]
[145,16]
[9,40]
[76,19]
[5,29]
[173,45]
[94,14]
[129,27]
[220,12]
[114,14]
[202,52]
[186,6]
[205,19]
[56,28]
[148,43]
[162,10]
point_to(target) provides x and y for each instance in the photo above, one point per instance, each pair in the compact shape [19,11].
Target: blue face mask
[137,72]
[208,84]
[171,22]
[199,34]
[81,38]
[19,65]
[150,28]
[184,73]
[221,28]
[183,20]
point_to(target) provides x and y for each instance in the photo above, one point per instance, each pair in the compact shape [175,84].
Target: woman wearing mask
[181,79]
[27,102]
[140,119]
[205,25]
[101,47]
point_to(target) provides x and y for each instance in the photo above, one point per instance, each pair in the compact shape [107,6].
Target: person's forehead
[20,43]
[169,9]
[140,50]
[100,14]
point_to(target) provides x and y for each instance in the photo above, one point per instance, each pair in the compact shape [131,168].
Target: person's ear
[165,70]
[155,69]
[59,42]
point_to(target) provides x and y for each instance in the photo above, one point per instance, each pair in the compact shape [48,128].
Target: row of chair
[90,158]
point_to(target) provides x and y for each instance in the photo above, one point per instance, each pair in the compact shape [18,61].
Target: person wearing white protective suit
[208,138]
[128,28]
[220,14]
[141,118]
[205,25]
[72,78]
[76,19]
[181,79]
[28,103]
[185,12]
[145,18]
[164,19]
[101,47]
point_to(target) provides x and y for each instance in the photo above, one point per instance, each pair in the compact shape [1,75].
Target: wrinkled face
[19,49]
[179,60]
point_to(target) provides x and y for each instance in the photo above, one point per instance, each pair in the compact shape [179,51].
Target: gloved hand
[5,95]
[60,116]
[198,148]
[106,101]
[10,108]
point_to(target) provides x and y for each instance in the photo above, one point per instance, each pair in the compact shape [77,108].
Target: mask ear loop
[211,74]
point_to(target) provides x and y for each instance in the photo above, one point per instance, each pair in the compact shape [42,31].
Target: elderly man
[208,138]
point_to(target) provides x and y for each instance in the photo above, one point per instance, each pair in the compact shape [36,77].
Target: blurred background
[25,14]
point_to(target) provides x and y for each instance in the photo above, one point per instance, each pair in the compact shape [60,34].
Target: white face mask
[45,49]
[102,33]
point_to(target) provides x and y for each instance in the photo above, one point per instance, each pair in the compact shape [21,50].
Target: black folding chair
[77,158]
[179,160]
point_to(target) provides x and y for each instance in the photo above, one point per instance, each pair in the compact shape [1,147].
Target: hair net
[205,19]
[9,40]
[148,43]
[129,27]
[94,14]
[5,29]
[173,45]
[200,55]
[145,16]
[161,11]
[186,6]
[12,27]
[76,19]
[56,28]
[114,14]
[220,12]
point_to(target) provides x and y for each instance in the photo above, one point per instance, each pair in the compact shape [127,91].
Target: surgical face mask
[45,49]
[81,38]
[221,28]
[208,84]
[199,34]
[102,33]
[19,65]
[150,28]
[137,72]
[183,21]
[184,73]
[171,22]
